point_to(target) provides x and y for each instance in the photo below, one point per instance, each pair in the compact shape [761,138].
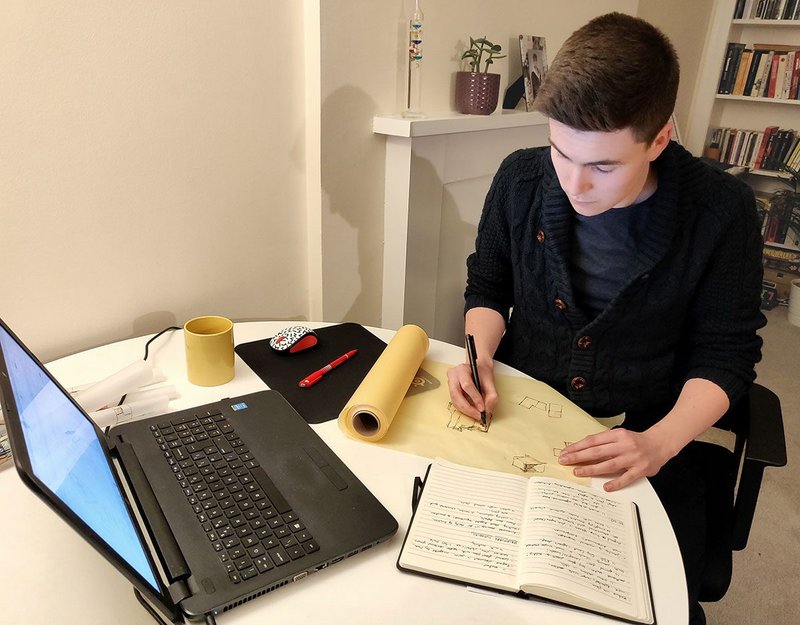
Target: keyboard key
[302,536]
[264,563]
[243,563]
[289,541]
[226,531]
[310,546]
[243,530]
[223,446]
[296,552]
[256,551]
[263,532]
[271,542]
[279,556]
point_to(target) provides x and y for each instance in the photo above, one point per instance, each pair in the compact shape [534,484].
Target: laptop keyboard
[249,524]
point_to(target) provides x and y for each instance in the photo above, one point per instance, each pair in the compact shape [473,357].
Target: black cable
[147,352]
[147,345]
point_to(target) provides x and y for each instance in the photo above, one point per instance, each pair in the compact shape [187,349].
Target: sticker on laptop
[239,406]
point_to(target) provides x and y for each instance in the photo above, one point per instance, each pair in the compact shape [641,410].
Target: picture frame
[533,53]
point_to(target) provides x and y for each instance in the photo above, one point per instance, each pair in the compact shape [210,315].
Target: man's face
[603,170]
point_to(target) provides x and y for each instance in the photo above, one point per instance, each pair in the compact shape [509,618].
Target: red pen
[312,378]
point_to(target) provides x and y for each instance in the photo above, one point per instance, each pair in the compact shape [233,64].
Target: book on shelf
[730,67]
[766,10]
[765,76]
[763,70]
[743,71]
[794,82]
[793,160]
[769,131]
[538,537]
[783,259]
[773,149]
[787,74]
[753,71]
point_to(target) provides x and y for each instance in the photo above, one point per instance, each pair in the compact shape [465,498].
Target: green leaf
[497,47]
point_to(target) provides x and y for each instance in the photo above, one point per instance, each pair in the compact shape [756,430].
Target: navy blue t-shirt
[604,248]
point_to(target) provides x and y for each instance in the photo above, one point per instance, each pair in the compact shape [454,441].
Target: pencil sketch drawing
[557,450]
[460,422]
[545,408]
[528,464]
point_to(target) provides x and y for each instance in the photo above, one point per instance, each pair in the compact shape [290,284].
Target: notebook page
[585,543]
[467,526]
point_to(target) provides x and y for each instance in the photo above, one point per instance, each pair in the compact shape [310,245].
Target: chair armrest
[766,443]
[765,447]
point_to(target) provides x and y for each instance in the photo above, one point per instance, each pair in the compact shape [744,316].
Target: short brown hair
[615,72]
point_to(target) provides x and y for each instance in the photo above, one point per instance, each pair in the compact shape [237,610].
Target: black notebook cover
[325,400]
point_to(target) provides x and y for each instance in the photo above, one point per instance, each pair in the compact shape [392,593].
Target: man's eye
[603,170]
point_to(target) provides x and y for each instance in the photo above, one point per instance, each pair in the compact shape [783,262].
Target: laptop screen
[67,457]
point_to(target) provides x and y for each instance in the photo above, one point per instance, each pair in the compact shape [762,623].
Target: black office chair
[757,422]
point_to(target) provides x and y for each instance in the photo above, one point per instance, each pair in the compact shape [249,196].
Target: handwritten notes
[547,537]
[468,524]
[579,538]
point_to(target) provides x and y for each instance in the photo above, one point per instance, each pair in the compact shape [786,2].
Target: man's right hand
[464,394]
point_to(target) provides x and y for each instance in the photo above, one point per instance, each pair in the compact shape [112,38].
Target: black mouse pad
[325,400]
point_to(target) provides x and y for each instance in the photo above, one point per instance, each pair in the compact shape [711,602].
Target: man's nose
[578,182]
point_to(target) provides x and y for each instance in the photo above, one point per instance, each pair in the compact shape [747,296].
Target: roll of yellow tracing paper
[369,412]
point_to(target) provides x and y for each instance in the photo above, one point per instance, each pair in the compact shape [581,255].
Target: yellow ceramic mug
[209,350]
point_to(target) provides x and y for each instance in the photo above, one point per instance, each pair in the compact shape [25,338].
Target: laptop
[201,509]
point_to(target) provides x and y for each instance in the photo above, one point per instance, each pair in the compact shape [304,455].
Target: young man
[622,271]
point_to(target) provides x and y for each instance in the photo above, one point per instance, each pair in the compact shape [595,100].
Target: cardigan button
[578,383]
[585,342]
[560,303]
[540,236]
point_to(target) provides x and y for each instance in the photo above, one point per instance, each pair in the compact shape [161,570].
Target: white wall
[165,159]
[685,22]
[151,166]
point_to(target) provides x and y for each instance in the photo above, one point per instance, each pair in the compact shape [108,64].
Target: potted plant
[477,91]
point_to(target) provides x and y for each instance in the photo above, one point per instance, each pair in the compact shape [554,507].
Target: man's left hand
[632,454]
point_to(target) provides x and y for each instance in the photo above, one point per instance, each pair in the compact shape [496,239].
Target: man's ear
[660,142]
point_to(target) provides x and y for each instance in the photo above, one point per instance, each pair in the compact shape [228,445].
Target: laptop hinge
[178,591]
[175,566]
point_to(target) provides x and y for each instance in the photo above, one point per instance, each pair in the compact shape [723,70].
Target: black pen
[472,354]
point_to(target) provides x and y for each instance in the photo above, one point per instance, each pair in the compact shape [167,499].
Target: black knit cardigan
[691,309]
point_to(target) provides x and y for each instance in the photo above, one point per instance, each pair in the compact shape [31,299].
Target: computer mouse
[293,339]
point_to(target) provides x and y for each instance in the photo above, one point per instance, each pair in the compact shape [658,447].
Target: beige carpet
[766,575]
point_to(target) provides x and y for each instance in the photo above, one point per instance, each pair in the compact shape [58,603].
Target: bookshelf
[712,110]
[721,96]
